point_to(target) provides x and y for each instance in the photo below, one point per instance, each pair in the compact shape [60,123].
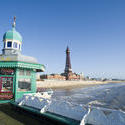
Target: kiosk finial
[14,23]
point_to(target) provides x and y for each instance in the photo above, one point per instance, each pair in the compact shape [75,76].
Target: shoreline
[59,84]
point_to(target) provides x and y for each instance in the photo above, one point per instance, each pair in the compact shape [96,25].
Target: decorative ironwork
[5,71]
[68,69]
[15,64]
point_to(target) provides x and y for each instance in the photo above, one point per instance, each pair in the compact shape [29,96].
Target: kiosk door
[6,88]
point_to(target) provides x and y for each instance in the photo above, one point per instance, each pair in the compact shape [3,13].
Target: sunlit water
[111,96]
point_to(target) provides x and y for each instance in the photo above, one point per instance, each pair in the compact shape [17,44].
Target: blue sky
[93,29]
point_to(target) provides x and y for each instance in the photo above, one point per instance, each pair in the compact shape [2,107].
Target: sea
[107,104]
[111,95]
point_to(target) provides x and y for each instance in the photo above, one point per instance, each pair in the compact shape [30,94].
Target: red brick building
[53,77]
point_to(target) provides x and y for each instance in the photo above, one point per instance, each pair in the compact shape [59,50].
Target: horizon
[93,30]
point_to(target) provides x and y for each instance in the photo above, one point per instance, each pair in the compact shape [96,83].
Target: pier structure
[17,71]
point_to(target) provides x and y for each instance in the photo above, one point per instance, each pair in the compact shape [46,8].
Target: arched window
[14,45]
[19,47]
[9,44]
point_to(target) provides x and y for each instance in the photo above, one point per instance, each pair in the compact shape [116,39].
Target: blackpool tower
[68,69]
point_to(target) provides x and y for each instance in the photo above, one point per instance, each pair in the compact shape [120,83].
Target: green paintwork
[12,35]
[17,64]
[25,66]
[5,101]
[19,94]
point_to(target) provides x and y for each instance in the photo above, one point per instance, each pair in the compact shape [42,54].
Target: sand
[69,84]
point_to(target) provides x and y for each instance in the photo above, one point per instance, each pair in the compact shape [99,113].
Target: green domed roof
[13,35]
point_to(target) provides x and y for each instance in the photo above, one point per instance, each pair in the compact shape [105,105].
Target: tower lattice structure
[68,69]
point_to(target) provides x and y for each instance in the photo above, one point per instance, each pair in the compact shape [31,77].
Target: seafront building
[68,74]
[17,71]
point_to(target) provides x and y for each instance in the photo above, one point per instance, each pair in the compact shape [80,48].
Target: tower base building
[68,74]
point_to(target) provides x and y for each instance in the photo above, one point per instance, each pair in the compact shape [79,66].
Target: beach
[55,84]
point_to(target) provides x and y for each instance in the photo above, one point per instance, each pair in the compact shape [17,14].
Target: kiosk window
[19,47]
[24,84]
[28,72]
[9,44]
[21,72]
[7,84]
[15,45]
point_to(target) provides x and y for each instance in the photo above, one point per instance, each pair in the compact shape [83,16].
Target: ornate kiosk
[17,72]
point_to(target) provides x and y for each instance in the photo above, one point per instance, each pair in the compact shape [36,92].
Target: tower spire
[14,22]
